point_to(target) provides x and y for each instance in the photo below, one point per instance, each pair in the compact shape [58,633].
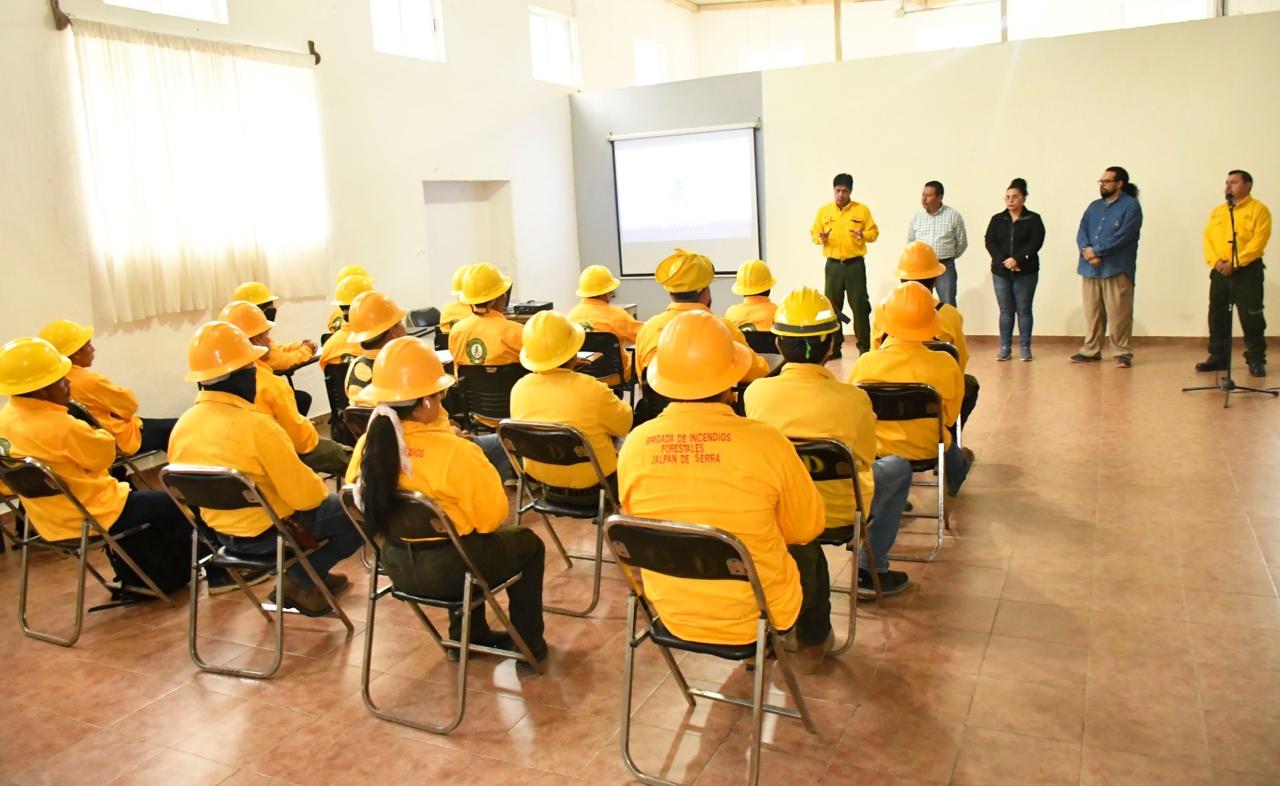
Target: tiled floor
[1107,614]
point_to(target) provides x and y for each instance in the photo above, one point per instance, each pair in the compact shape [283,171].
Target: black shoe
[1211,364]
[892,582]
[486,638]
[539,650]
[1124,361]
[1257,369]
[1081,358]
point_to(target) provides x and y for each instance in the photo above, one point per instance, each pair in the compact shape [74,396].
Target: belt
[845,261]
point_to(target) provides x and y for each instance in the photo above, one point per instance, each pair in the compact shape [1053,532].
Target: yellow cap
[805,312]
[254,292]
[217,349]
[406,369]
[372,314]
[685,271]
[66,336]
[596,281]
[246,316]
[550,339]
[482,283]
[918,261]
[910,313]
[29,364]
[352,270]
[697,358]
[349,288]
[754,277]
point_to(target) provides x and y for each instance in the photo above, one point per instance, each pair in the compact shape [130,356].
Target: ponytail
[1120,173]
[380,466]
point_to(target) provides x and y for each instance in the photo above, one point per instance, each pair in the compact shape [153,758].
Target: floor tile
[992,758]
[1052,712]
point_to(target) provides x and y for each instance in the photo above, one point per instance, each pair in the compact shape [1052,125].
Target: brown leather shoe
[336,582]
[306,600]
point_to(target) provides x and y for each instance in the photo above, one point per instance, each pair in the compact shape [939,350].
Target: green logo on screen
[477,351]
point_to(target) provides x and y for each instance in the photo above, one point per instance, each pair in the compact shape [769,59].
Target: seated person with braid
[487,337]
[375,320]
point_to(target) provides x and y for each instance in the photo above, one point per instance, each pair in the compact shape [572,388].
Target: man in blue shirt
[1108,242]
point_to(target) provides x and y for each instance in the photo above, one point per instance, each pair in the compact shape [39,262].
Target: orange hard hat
[918,261]
[910,313]
[697,357]
[246,316]
[217,349]
[372,314]
[407,368]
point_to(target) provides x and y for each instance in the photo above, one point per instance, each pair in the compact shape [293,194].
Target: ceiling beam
[687,5]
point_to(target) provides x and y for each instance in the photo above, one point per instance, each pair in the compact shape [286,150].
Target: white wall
[1055,111]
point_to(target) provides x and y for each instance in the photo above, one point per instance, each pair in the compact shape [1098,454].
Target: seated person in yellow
[919,263]
[487,337]
[113,406]
[224,429]
[699,462]
[280,357]
[339,348]
[375,320]
[687,278]
[910,319]
[274,397]
[755,312]
[35,424]
[596,287]
[806,400]
[555,393]
[455,310]
[337,316]
[410,446]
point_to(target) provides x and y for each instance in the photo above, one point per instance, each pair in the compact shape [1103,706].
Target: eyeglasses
[1100,182]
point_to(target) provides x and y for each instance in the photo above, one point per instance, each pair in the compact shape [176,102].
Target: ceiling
[729,5]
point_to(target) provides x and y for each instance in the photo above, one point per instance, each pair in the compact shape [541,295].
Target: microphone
[1231,200]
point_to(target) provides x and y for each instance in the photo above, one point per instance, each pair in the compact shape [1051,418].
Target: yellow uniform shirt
[564,396]
[450,470]
[596,314]
[453,313]
[76,452]
[912,361]
[1253,230]
[647,340]
[275,398]
[842,243]
[755,312]
[282,357]
[486,339]
[224,430]
[114,407]
[703,464]
[359,374]
[339,349]
[952,330]
[333,323]
[806,400]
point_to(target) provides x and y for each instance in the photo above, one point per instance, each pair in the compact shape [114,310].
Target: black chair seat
[225,559]
[923,465]
[423,600]
[666,638]
[836,536]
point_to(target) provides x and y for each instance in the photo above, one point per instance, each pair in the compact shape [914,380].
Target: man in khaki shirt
[844,228]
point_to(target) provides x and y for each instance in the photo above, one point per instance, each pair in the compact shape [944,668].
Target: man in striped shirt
[943,229]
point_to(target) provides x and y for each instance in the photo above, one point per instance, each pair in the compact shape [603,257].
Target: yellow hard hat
[805,312]
[406,369]
[596,281]
[754,277]
[910,313]
[697,357]
[482,283]
[349,288]
[254,292]
[685,271]
[918,261]
[352,270]
[29,364]
[217,349]
[372,314]
[66,336]
[246,316]
[550,339]
[458,274]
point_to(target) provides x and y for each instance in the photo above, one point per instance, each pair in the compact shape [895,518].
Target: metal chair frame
[40,481]
[740,567]
[335,376]
[950,349]
[171,478]
[474,580]
[878,391]
[80,412]
[606,502]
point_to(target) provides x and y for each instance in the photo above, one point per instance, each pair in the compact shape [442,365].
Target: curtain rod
[62,20]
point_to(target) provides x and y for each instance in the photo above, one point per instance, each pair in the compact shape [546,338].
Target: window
[1140,13]
[409,28]
[204,10]
[651,63]
[554,42]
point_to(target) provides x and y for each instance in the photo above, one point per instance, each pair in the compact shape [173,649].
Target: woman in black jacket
[1014,238]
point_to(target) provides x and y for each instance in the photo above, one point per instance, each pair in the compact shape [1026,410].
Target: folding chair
[651,404]
[950,349]
[695,551]
[831,459]
[428,520]
[78,411]
[762,342]
[898,401]
[564,446]
[487,392]
[356,419]
[422,321]
[441,340]
[194,488]
[608,367]
[335,389]
[32,479]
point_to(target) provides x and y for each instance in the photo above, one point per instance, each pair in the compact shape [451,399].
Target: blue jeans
[957,467]
[326,521]
[945,284]
[493,451]
[1014,295]
[893,484]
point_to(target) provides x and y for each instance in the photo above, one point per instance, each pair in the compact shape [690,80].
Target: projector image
[530,307]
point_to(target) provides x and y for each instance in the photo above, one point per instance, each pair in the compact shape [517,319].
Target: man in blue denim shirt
[1108,243]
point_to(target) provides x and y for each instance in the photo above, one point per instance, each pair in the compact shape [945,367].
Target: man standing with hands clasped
[1237,276]
[1108,243]
[844,228]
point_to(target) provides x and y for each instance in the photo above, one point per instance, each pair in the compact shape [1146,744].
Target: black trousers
[814,622]
[847,278]
[970,400]
[1244,289]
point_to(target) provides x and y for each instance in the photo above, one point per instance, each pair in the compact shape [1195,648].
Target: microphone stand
[1225,383]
